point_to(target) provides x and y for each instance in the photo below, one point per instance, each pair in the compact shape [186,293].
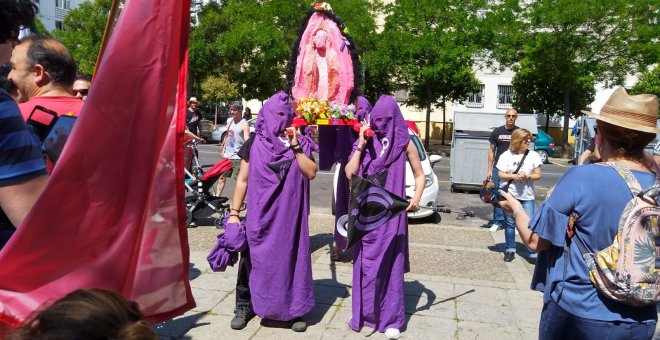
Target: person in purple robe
[381,257]
[277,269]
[346,137]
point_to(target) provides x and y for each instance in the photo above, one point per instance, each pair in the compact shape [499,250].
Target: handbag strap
[506,186]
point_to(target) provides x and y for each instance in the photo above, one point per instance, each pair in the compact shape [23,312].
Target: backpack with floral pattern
[628,271]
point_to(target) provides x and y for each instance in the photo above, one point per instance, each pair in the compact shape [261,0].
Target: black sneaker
[241,318]
[509,256]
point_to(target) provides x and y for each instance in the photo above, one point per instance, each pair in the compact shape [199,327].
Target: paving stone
[215,326]
[457,263]
[424,327]
[179,326]
[479,330]
[497,314]
[432,234]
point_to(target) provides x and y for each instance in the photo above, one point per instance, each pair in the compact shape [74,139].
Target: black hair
[13,15]
[57,62]
[358,77]
[84,77]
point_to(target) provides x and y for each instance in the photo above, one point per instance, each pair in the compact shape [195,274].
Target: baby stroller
[202,206]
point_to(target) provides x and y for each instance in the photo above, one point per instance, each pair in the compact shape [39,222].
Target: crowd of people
[273,168]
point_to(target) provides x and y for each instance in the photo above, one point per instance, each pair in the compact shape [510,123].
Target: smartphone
[57,137]
[496,194]
[42,120]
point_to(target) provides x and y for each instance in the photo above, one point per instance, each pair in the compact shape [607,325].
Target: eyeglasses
[82,92]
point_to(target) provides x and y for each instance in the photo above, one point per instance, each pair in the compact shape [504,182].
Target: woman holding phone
[518,168]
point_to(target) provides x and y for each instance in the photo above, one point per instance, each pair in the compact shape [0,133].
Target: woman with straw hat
[573,308]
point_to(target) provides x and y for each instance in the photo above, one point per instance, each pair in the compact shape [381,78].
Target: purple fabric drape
[381,257]
[277,229]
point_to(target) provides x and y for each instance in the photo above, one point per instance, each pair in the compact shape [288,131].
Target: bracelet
[230,215]
[236,210]
[297,149]
[358,149]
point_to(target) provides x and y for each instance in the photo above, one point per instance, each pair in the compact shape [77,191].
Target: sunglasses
[511,116]
[82,92]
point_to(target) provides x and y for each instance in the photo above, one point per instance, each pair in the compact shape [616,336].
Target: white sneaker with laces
[392,333]
[494,227]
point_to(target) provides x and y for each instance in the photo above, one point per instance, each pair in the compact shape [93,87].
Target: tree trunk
[567,110]
[444,123]
[427,138]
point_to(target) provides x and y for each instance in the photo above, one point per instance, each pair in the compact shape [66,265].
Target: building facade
[52,12]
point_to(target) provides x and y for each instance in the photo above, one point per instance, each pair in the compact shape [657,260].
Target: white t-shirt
[508,162]
[235,138]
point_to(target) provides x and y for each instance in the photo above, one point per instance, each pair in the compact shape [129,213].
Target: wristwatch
[296,148]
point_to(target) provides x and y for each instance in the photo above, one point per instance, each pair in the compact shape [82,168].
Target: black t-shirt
[192,120]
[244,151]
[501,137]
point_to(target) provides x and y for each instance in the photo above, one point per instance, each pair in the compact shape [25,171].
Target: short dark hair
[13,15]
[626,143]
[53,56]
[236,105]
[84,77]
[87,314]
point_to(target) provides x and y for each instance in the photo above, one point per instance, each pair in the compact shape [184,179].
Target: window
[59,25]
[476,99]
[64,4]
[505,96]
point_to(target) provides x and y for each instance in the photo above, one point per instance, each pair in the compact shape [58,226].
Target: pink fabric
[321,45]
[61,105]
[112,214]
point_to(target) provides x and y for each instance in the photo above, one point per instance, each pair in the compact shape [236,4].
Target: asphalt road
[321,190]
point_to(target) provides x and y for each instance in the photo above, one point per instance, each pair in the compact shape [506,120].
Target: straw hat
[638,112]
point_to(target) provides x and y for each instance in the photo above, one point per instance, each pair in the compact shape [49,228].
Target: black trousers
[242,282]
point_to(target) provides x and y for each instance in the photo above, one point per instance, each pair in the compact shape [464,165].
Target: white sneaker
[392,333]
[494,227]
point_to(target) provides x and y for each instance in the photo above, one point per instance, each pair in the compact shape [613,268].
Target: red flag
[112,214]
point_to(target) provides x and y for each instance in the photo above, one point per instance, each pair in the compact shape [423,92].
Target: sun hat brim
[618,122]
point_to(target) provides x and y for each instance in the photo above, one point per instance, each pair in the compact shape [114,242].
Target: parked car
[544,145]
[430,193]
[221,130]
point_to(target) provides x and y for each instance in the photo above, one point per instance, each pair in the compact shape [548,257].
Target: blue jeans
[498,213]
[556,323]
[510,225]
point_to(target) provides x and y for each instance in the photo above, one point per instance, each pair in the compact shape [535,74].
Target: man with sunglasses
[81,86]
[23,175]
[44,71]
[499,143]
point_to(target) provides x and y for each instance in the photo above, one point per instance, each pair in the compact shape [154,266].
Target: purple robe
[346,137]
[381,257]
[281,285]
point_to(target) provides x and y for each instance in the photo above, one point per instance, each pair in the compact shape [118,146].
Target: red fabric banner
[112,214]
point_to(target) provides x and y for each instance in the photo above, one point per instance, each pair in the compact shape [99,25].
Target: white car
[221,130]
[430,193]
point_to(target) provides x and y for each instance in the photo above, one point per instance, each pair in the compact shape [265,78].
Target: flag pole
[106,34]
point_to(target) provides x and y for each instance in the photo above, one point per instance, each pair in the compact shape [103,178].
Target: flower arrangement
[310,109]
[342,111]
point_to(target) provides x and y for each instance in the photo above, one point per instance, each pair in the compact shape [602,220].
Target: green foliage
[561,48]
[429,46]
[218,89]
[649,82]
[250,42]
[83,32]
[39,26]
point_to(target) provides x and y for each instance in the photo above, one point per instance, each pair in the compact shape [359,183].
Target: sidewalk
[458,288]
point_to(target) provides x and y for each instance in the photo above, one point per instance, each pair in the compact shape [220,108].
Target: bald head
[53,57]
[510,116]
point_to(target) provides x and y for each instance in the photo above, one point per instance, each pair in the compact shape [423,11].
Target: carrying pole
[109,25]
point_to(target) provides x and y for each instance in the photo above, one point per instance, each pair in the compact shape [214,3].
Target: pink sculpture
[324,69]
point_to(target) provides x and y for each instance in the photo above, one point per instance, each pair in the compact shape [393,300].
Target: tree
[649,82]
[83,32]
[218,89]
[561,48]
[249,42]
[429,46]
